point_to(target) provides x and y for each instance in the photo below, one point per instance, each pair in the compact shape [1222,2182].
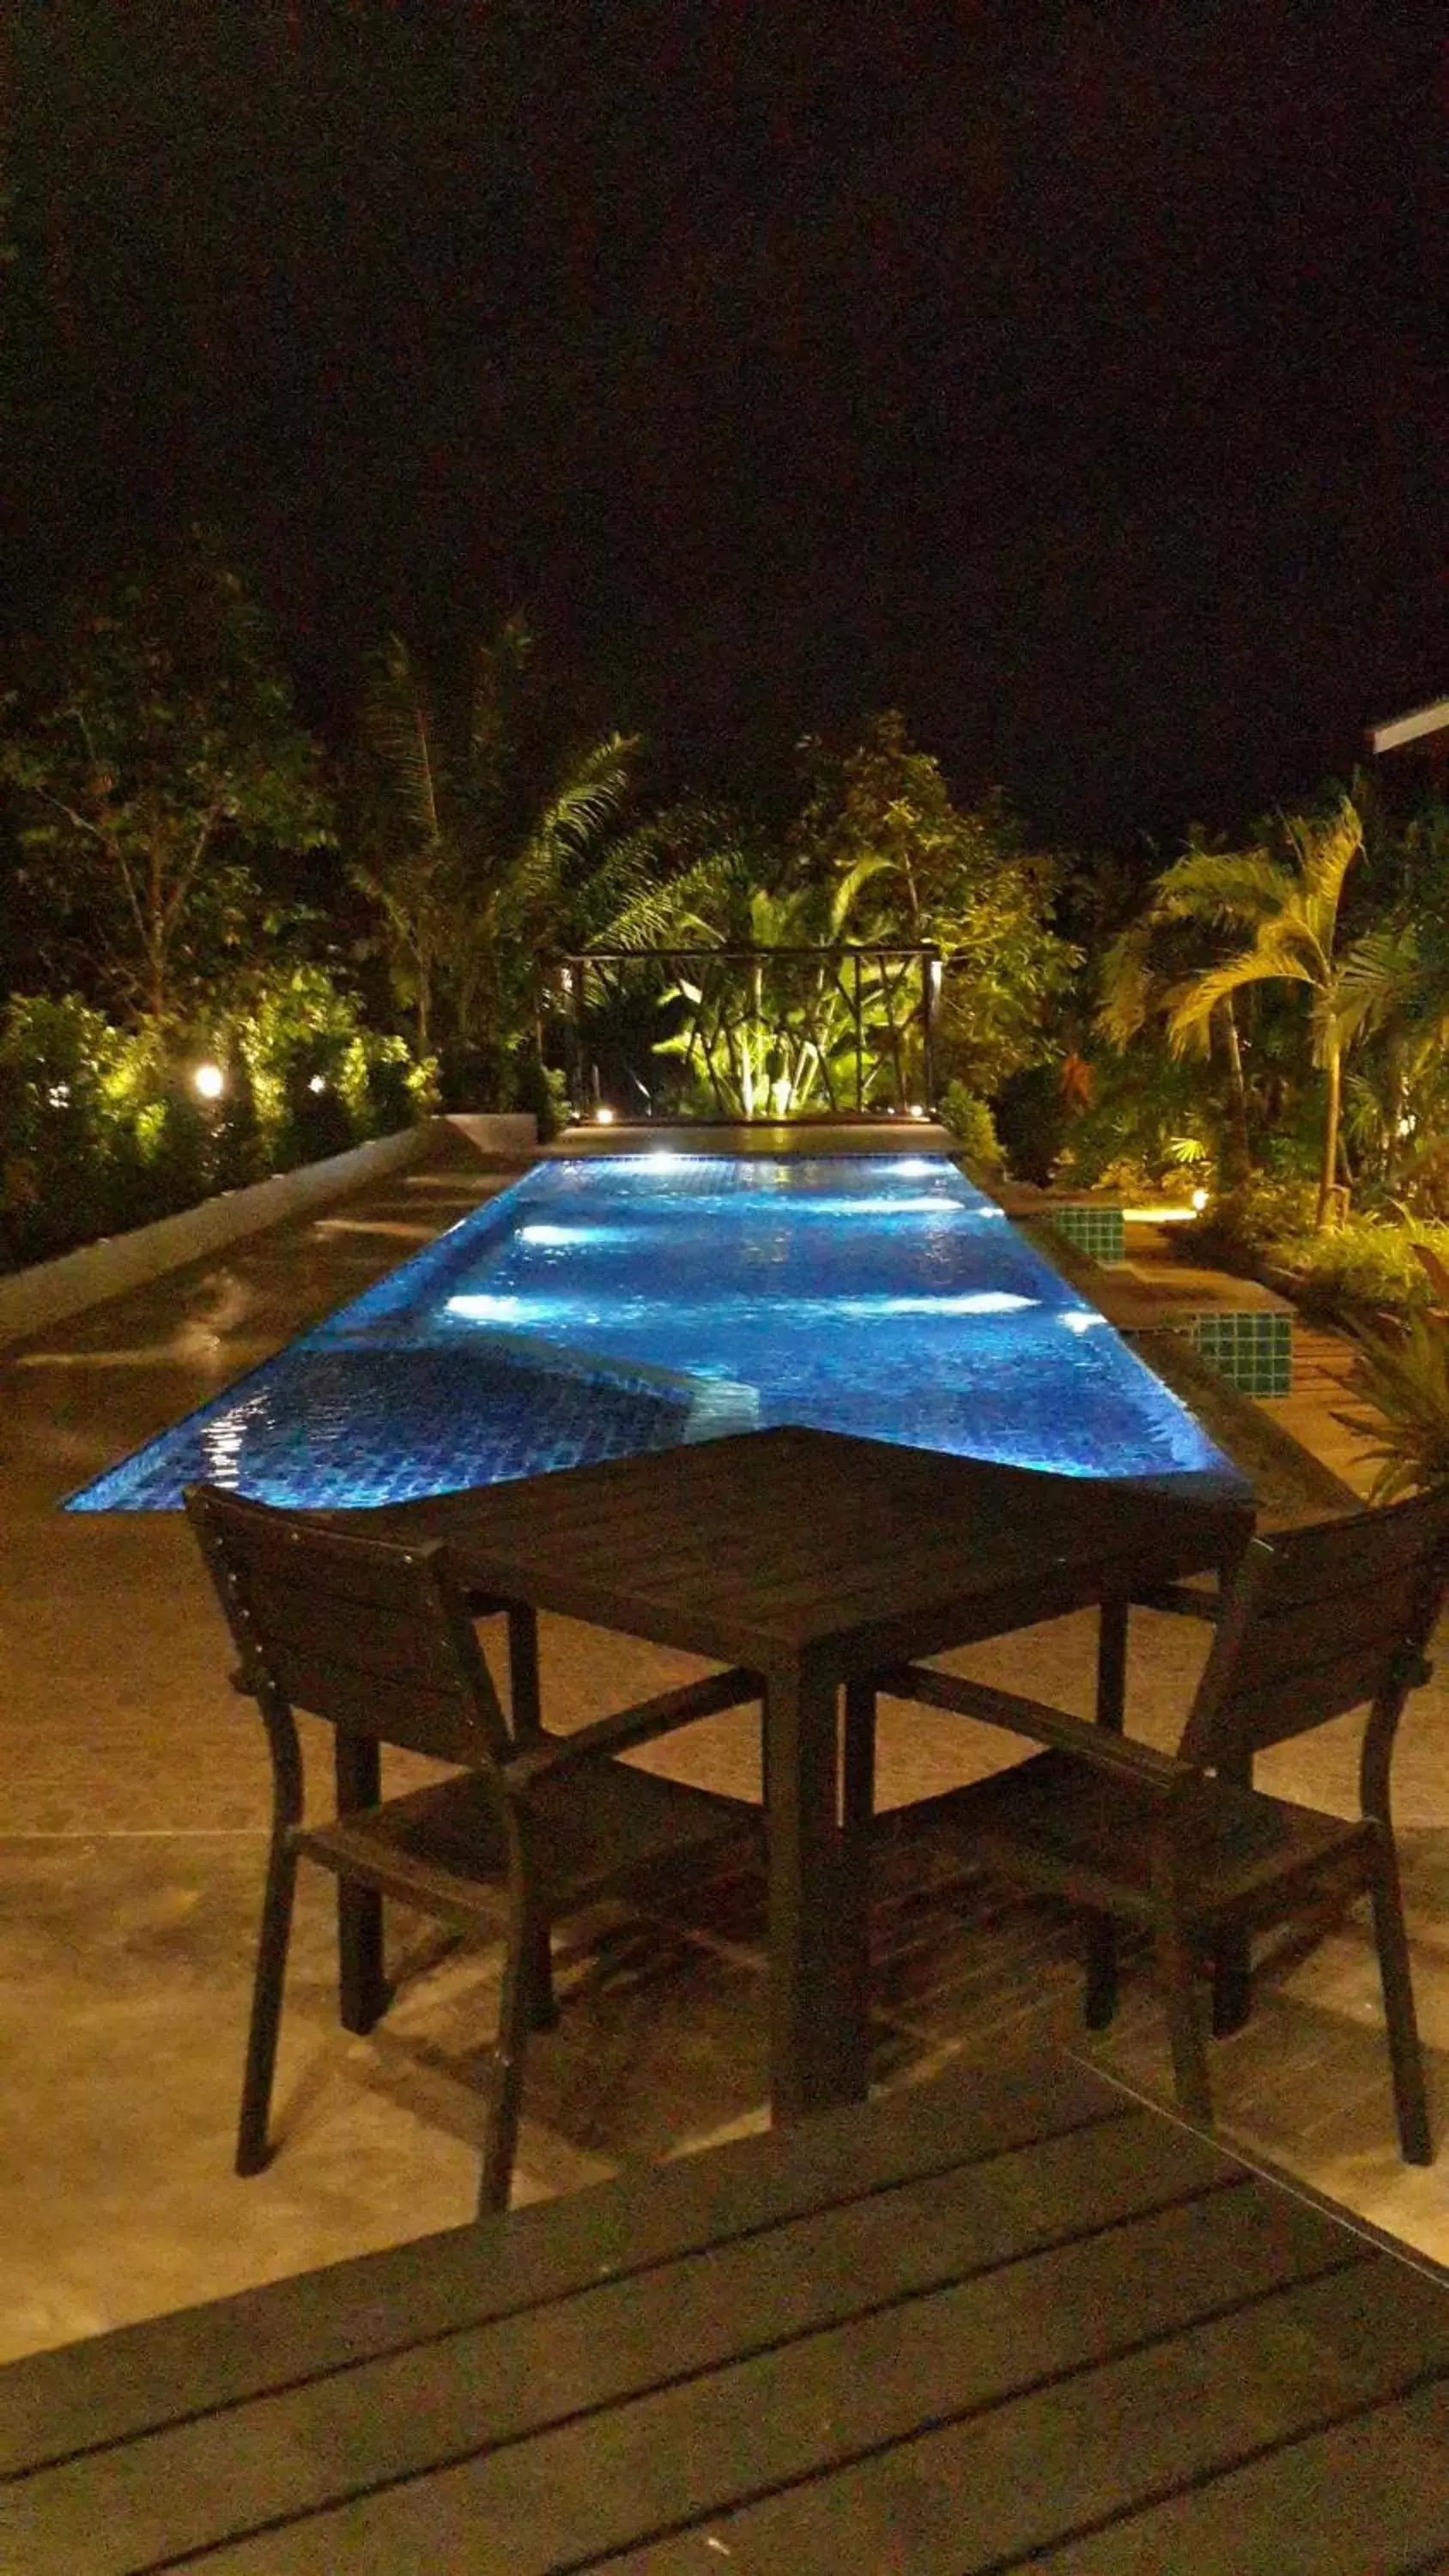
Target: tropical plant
[475,843]
[1141,974]
[771,1029]
[155,756]
[1394,1001]
[970,1121]
[1281,900]
[1403,1380]
[1363,1266]
[793,1022]
[102,1128]
[1147,1122]
[928,872]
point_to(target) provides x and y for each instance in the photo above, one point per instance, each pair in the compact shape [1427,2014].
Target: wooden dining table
[818,1560]
[1008,2318]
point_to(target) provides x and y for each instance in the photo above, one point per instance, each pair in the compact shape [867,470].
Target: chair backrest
[369,1633]
[1320,1620]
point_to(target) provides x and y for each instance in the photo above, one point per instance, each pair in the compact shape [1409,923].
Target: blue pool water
[613,1304]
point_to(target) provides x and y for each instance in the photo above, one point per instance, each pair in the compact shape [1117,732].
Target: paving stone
[135,1790]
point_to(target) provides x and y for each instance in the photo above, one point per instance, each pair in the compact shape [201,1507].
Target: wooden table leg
[857,1831]
[523,1699]
[1112,1664]
[817,2046]
[1101,1929]
[362,1987]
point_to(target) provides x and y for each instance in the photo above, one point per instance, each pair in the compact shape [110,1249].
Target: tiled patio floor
[134,1808]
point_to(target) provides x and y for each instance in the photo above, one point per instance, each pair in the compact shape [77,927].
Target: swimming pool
[606,1305]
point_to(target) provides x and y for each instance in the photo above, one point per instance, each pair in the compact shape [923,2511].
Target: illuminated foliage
[155,754]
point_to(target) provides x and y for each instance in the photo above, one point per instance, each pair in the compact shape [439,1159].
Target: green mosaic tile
[1093,1230]
[1254,1351]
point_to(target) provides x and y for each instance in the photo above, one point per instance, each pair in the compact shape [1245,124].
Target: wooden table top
[1003,2318]
[791,1542]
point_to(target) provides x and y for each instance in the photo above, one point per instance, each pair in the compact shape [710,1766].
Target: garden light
[603,1117]
[210,1081]
[1199,1200]
[318,1082]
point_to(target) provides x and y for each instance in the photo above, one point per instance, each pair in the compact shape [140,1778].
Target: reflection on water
[587,1310]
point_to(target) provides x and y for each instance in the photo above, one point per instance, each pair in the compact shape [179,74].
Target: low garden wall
[46,1294]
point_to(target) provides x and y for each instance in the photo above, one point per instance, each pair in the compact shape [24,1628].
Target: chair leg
[523,1696]
[1405,2054]
[544,2015]
[1101,1964]
[362,1996]
[363,1993]
[251,2143]
[1232,1984]
[1189,2054]
[515,2019]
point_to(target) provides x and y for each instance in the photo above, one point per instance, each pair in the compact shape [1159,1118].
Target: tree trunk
[1328,1174]
[1239,1156]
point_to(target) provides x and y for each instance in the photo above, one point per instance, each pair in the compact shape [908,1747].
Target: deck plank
[1122,2441]
[698,2446]
[54,2404]
[1367,2498]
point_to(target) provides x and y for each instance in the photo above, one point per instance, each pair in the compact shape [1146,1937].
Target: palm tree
[474,859]
[1286,898]
[1138,986]
[1395,988]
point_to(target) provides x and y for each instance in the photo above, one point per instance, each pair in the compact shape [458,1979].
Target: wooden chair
[1317,1621]
[377,1638]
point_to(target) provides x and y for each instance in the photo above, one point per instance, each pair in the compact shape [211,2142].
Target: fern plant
[1404,1378]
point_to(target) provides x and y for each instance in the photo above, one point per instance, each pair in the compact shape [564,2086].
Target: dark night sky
[1070,373]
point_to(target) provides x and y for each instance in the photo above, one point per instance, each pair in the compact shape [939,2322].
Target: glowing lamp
[210,1081]
[1199,1200]
[603,1117]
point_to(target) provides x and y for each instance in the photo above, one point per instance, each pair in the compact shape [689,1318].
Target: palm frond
[1130,990]
[1243,886]
[704,902]
[590,796]
[1326,848]
[498,666]
[1275,956]
[847,889]
[399,724]
[1377,979]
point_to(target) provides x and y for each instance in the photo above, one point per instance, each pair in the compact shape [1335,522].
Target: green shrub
[1255,1223]
[101,1130]
[68,1149]
[544,1090]
[1032,1119]
[969,1118]
[1366,1264]
[319,1080]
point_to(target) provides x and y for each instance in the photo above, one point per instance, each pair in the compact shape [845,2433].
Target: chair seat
[1065,1817]
[629,1823]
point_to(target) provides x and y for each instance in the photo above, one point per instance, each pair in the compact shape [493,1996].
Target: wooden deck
[1003,2319]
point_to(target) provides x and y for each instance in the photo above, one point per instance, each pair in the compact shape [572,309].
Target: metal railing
[749,1034]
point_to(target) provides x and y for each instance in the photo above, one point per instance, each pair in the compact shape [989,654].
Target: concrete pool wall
[49,1291]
